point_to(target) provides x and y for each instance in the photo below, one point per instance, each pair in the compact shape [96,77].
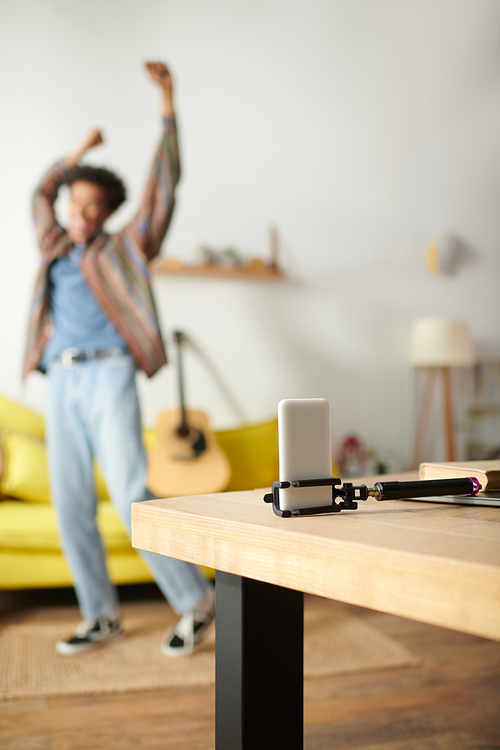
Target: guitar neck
[187,459]
[179,339]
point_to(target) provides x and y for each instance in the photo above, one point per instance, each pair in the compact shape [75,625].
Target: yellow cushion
[25,473]
[23,460]
[16,416]
[253,455]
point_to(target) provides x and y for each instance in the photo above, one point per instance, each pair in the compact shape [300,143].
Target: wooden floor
[450,702]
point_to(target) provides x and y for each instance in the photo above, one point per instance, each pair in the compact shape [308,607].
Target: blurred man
[93,323]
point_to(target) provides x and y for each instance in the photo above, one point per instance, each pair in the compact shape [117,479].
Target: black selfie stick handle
[425,488]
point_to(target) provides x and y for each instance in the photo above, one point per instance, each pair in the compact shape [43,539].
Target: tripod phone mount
[349,494]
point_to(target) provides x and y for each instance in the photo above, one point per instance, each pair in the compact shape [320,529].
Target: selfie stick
[350,494]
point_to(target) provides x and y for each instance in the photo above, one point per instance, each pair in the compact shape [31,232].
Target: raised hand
[93,139]
[160,74]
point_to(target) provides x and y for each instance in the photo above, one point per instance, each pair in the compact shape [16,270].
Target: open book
[486,472]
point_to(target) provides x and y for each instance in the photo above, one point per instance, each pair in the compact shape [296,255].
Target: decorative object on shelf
[352,456]
[207,256]
[381,460]
[437,345]
[225,263]
[274,247]
[447,254]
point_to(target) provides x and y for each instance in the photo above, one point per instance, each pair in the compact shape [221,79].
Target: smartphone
[304,442]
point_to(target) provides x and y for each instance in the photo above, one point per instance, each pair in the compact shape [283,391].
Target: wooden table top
[437,563]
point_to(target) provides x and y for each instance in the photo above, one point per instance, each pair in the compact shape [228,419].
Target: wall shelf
[254,270]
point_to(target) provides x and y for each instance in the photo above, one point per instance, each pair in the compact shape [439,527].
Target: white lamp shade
[439,342]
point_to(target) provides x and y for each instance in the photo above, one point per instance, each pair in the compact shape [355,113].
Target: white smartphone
[304,442]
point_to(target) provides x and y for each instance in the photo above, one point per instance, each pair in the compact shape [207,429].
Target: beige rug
[336,642]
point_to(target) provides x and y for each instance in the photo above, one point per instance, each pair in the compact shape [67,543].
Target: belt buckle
[68,357]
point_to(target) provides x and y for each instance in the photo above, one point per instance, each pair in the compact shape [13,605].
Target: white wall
[361,128]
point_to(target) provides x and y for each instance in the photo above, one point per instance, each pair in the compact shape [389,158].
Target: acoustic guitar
[187,459]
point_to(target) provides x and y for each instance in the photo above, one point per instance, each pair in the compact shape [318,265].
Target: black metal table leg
[259,681]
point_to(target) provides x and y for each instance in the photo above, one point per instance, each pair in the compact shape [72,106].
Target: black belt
[69,357]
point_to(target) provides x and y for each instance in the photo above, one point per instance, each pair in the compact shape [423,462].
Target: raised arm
[151,222]
[160,74]
[46,225]
[93,139]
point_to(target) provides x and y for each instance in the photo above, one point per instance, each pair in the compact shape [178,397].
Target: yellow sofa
[30,555]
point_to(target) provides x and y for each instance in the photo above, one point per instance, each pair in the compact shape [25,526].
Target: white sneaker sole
[67,649]
[172,653]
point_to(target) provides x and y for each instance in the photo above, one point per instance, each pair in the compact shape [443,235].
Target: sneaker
[186,635]
[89,635]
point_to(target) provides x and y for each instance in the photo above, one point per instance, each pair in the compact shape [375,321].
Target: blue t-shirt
[77,316]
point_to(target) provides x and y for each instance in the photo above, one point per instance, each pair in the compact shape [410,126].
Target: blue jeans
[93,411]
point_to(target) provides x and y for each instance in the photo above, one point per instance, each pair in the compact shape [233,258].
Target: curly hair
[113,185]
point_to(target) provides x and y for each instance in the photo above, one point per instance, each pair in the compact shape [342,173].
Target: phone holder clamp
[348,493]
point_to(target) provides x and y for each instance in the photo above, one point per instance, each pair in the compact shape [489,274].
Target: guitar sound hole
[183,431]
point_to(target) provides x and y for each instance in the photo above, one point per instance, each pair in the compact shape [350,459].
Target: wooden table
[436,563]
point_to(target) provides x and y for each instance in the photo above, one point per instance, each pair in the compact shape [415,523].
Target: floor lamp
[437,345]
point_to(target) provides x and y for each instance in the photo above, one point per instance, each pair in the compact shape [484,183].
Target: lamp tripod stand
[437,345]
[431,377]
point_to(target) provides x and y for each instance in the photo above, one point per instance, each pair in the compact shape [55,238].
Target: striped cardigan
[114,266]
